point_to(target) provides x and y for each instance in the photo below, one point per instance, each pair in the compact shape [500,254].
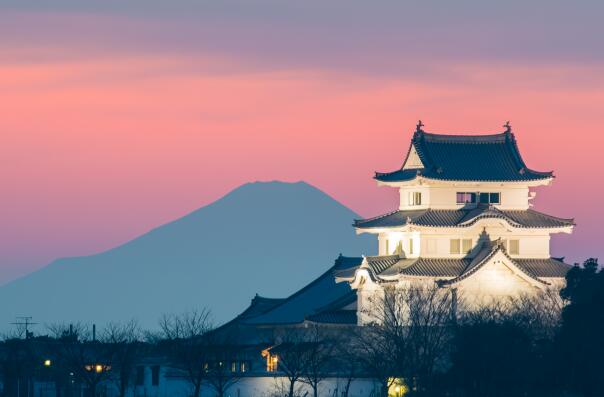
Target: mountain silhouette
[269,238]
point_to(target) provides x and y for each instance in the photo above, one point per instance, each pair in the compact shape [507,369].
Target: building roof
[322,299]
[451,270]
[335,317]
[260,305]
[463,218]
[490,158]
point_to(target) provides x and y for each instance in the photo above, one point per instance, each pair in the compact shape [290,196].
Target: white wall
[394,238]
[445,196]
[435,242]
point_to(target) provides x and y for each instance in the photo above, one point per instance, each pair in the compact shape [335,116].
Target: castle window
[460,246]
[399,248]
[415,198]
[466,246]
[244,366]
[272,363]
[466,198]
[387,247]
[234,366]
[514,247]
[411,246]
[490,198]
[455,247]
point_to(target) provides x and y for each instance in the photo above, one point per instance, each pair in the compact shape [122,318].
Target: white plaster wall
[405,238]
[492,283]
[404,197]
[445,196]
[369,298]
[261,386]
[436,243]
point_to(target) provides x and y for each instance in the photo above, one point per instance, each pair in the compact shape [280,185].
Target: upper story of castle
[456,188]
[464,171]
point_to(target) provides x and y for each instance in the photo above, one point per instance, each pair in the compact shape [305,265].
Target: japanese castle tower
[464,222]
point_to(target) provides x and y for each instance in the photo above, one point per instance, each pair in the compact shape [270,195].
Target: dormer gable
[413,161]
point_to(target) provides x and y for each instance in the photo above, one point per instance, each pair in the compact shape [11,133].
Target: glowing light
[47,363]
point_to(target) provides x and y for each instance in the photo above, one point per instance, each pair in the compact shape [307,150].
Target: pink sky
[100,143]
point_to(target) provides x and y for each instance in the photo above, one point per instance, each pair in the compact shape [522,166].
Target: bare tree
[81,354]
[319,349]
[223,369]
[291,352]
[347,356]
[126,349]
[376,355]
[539,313]
[18,360]
[186,341]
[409,336]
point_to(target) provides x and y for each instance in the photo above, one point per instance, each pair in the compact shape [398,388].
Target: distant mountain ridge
[269,238]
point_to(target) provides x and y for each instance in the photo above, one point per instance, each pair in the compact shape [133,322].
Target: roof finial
[419,126]
[508,127]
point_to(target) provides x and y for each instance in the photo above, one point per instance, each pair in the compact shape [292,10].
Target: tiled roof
[467,158]
[260,305]
[453,270]
[316,297]
[463,218]
[436,267]
[550,267]
[335,317]
[380,263]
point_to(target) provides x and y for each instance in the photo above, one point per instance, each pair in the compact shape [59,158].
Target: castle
[464,223]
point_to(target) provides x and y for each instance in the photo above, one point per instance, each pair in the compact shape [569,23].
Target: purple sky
[120,116]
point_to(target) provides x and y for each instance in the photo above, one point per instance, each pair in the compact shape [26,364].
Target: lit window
[243,366]
[514,247]
[410,246]
[455,246]
[234,366]
[271,363]
[415,198]
[466,246]
[387,248]
[47,363]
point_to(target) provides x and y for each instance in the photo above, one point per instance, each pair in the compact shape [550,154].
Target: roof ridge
[465,134]
[382,256]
